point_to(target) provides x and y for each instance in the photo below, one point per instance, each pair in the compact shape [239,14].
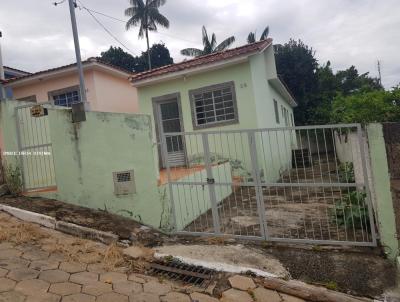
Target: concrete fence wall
[384,208]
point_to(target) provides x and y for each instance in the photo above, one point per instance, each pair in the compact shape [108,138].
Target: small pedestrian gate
[35,147]
[301,184]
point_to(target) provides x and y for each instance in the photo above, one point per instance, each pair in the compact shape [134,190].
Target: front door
[169,121]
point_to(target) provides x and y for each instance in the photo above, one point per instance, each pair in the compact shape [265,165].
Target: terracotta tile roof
[88,61]
[203,60]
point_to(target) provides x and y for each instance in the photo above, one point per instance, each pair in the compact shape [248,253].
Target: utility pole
[379,73]
[82,87]
[2,77]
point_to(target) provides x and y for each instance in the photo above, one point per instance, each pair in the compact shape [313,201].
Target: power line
[111,34]
[124,21]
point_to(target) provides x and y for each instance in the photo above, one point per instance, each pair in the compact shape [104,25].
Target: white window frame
[276,109]
[212,89]
[55,93]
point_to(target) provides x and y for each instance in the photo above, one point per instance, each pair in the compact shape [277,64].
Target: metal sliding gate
[301,184]
[35,147]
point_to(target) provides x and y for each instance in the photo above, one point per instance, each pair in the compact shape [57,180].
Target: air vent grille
[124,182]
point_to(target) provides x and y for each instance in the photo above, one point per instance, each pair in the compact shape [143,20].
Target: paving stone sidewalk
[38,269]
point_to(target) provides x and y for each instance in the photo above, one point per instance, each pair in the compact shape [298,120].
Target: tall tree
[251,38]
[160,56]
[118,57]
[146,14]
[316,87]
[297,65]
[209,45]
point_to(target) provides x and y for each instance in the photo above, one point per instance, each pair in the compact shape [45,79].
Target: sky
[37,35]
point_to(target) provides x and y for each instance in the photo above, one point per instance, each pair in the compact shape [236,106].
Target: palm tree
[210,46]
[251,38]
[145,14]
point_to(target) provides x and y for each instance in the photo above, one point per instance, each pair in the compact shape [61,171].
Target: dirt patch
[125,228]
[353,273]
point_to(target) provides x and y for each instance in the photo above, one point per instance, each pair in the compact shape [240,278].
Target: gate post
[366,183]
[211,184]
[381,180]
[19,144]
[257,184]
[164,152]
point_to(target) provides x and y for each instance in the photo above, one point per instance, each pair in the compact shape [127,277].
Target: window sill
[215,125]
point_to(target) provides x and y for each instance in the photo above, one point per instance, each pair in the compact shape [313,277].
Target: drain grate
[178,271]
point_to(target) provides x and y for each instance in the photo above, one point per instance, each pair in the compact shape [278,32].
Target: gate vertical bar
[19,143]
[366,184]
[257,185]
[164,151]
[211,185]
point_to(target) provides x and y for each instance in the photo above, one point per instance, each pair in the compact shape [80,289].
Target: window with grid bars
[214,105]
[65,97]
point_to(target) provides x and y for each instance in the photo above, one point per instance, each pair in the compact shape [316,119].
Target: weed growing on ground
[21,233]
[13,178]
[332,285]
[113,257]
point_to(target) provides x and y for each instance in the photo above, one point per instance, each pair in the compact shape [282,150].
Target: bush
[13,178]
[367,107]
[346,172]
[352,210]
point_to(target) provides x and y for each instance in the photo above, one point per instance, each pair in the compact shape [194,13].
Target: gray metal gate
[35,148]
[301,184]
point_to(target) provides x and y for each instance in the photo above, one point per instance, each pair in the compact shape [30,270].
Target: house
[108,88]
[10,73]
[235,89]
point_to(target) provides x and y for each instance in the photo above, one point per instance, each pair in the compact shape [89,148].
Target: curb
[62,226]
[43,220]
[84,232]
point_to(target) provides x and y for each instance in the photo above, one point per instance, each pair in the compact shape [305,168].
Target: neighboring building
[10,73]
[234,89]
[107,87]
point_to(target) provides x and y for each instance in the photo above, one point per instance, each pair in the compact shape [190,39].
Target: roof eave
[191,71]
[277,84]
[64,71]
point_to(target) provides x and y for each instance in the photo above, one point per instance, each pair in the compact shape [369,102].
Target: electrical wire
[124,21]
[91,12]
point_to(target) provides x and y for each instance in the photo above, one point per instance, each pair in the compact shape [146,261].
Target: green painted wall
[255,108]
[86,154]
[273,148]
[9,131]
[240,74]
[193,200]
[381,179]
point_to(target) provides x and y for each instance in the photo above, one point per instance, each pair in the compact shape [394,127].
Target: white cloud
[346,32]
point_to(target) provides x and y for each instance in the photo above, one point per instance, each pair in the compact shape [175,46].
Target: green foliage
[13,178]
[367,107]
[316,86]
[352,210]
[251,38]
[346,172]
[159,54]
[118,57]
[297,66]
[332,285]
[209,45]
